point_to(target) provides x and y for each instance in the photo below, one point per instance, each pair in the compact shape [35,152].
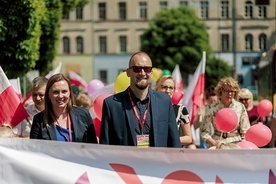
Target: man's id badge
[142,141]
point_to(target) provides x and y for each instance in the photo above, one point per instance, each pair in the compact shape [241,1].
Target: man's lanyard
[141,122]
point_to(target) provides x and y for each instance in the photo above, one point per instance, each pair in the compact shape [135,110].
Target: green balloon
[166,72]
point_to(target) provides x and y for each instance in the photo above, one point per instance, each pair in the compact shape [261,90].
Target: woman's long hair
[49,111]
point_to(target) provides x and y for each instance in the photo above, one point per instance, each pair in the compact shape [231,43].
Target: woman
[246,98]
[227,91]
[166,84]
[61,121]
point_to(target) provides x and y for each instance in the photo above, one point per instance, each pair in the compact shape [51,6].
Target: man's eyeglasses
[138,69]
[243,99]
[228,91]
[167,87]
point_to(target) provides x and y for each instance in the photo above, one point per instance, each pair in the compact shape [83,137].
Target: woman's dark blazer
[82,125]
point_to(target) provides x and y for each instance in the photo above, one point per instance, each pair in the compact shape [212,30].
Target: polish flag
[54,71]
[193,98]
[176,74]
[16,86]
[76,79]
[50,74]
[12,111]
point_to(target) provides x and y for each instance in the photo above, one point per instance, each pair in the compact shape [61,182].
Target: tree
[215,70]
[49,39]
[176,36]
[29,34]
[20,32]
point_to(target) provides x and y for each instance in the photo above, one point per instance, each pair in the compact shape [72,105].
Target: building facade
[98,39]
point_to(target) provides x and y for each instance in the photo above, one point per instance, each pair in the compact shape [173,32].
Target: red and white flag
[176,74]
[54,71]
[76,79]
[194,93]
[12,110]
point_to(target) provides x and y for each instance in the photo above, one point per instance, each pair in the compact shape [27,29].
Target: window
[183,3]
[66,45]
[262,11]
[102,40]
[123,44]
[248,9]
[204,9]
[103,76]
[79,11]
[249,42]
[65,16]
[122,10]
[102,11]
[79,44]
[163,4]
[225,42]
[143,10]
[262,42]
[224,9]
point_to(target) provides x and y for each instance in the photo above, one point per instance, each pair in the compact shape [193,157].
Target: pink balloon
[264,108]
[226,120]
[97,125]
[98,105]
[94,85]
[259,134]
[177,96]
[247,145]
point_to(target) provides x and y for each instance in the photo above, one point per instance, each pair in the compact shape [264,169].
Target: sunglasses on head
[138,69]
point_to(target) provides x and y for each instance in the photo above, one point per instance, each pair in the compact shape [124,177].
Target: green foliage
[176,36]
[215,70]
[19,35]
[69,5]
[50,26]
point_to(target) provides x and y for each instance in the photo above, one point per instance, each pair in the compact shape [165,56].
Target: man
[273,130]
[139,116]
[38,87]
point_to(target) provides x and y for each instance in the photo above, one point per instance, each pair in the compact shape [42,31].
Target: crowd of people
[139,116]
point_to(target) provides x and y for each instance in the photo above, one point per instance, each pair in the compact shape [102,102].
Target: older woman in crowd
[246,98]
[227,91]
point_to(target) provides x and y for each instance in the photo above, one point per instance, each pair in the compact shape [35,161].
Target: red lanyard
[68,123]
[141,122]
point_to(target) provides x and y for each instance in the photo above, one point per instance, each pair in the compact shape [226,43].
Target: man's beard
[142,86]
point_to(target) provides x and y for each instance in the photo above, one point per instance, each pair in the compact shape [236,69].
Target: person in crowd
[227,91]
[166,84]
[210,97]
[246,98]
[83,100]
[38,87]
[60,120]
[139,116]
[6,131]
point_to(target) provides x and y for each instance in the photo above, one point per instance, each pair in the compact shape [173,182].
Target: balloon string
[221,136]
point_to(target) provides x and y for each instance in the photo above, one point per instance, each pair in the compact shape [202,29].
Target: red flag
[77,80]
[12,110]
[176,74]
[193,98]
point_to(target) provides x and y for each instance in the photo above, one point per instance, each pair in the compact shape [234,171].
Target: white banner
[39,162]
